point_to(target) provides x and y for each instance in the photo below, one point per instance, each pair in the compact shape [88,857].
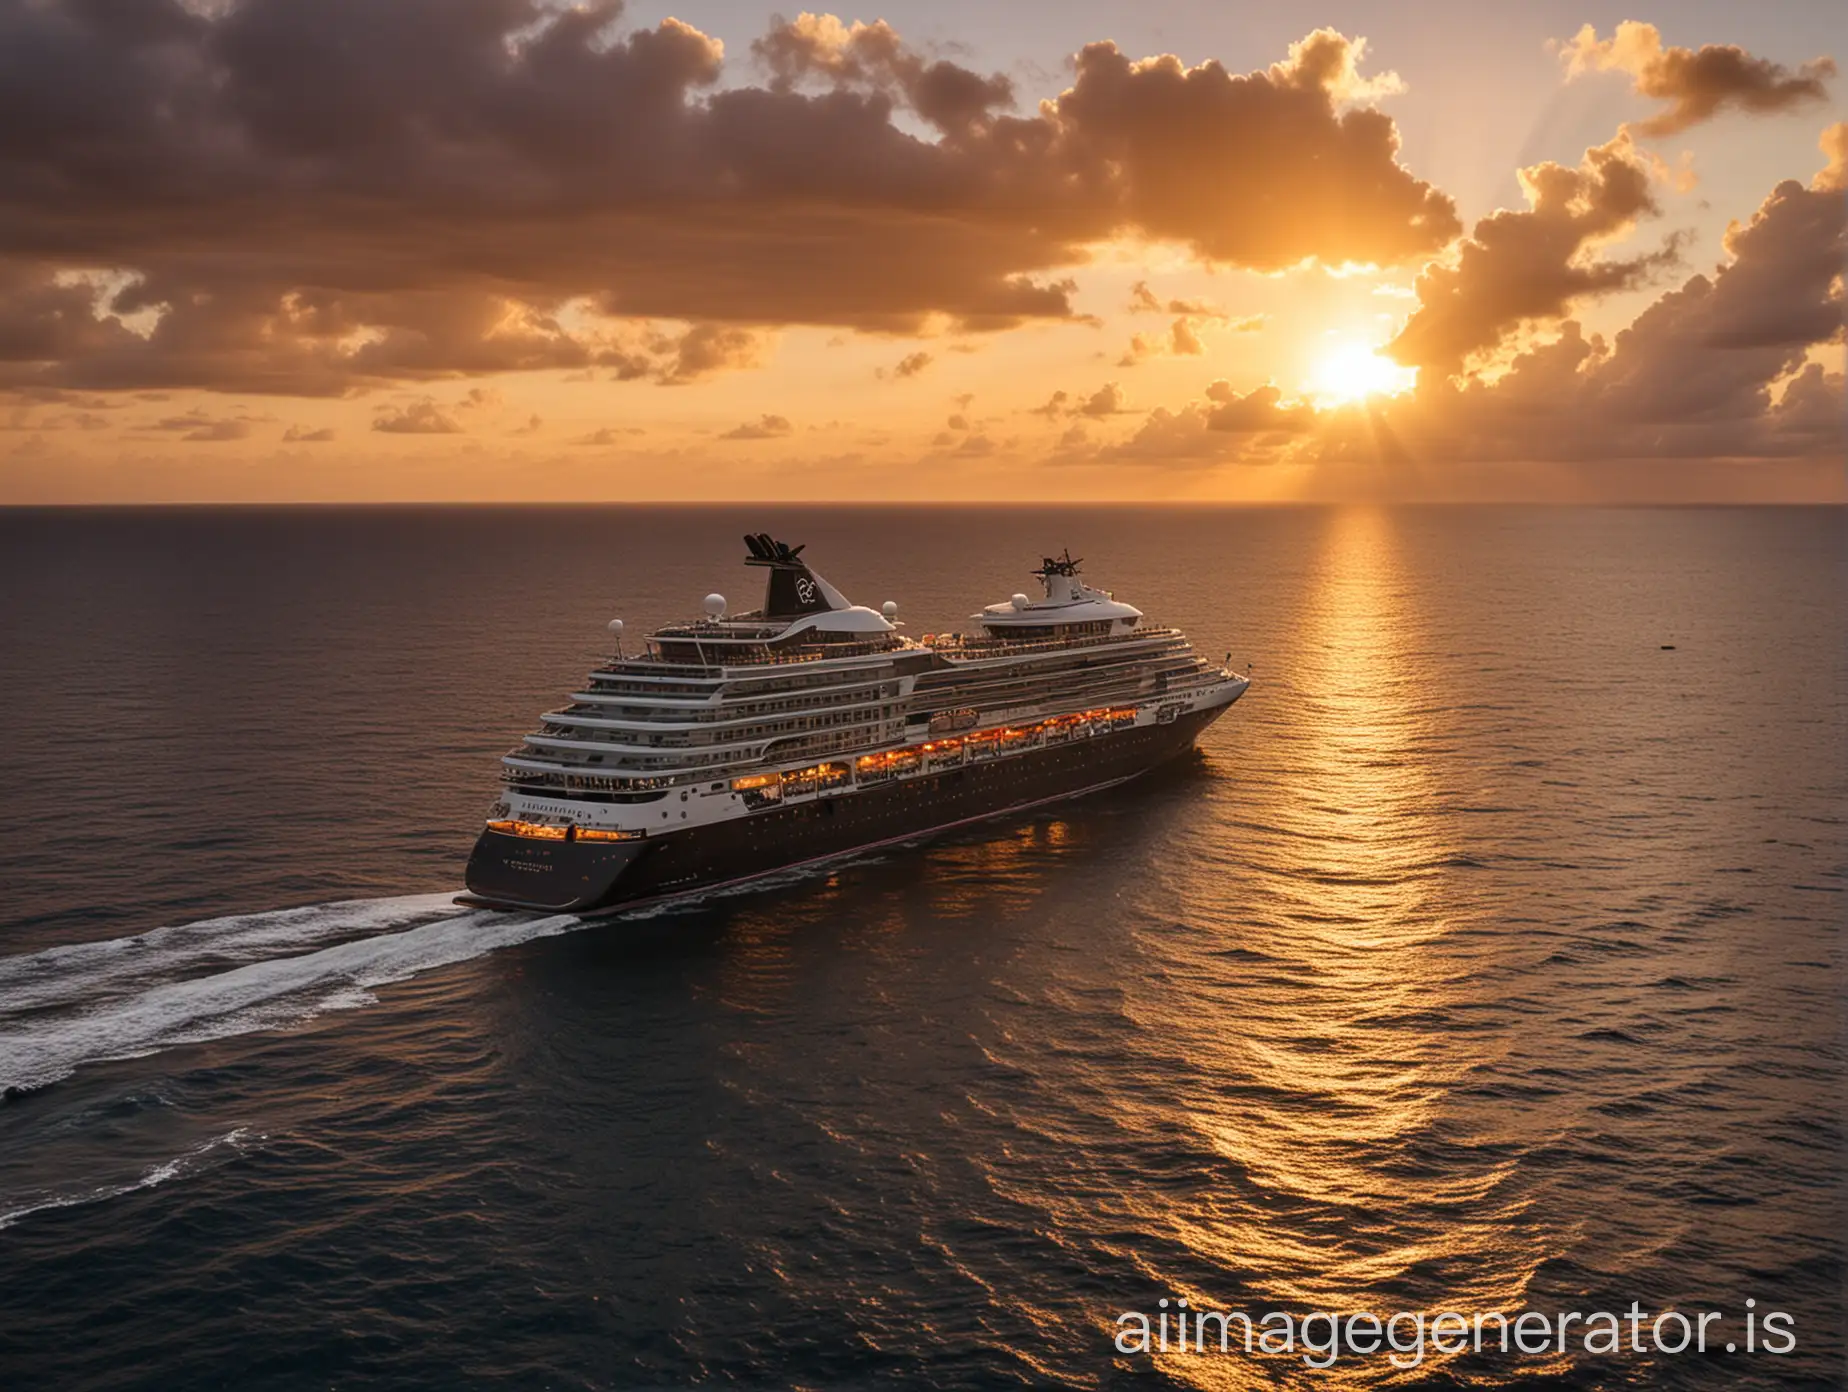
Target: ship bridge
[1067,608]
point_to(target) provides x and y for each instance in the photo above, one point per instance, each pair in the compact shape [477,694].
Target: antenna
[1061,564]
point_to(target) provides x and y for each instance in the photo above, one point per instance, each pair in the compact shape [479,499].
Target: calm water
[1488,956]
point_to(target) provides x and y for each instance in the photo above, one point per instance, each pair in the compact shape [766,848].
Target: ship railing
[957,645]
[876,766]
[812,652]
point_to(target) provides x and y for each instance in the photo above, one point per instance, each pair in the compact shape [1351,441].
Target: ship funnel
[793,589]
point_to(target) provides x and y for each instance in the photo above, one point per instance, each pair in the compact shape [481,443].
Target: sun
[1352,371]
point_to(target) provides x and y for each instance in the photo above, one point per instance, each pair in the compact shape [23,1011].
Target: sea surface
[1487,956]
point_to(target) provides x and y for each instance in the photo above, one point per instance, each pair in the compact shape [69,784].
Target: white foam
[126,997]
[259,995]
[188,1163]
[84,973]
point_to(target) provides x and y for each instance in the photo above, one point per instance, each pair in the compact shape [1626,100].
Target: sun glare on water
[1351,372]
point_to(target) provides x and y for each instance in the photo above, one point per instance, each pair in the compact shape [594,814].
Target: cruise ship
[739,745]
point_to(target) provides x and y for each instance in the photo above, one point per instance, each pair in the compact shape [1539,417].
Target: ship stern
[565,875]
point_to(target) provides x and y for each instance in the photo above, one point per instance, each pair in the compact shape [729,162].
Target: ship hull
[581,877]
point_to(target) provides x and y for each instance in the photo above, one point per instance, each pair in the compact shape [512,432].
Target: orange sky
[512,251]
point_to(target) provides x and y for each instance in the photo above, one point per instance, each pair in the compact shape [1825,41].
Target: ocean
[1487,956]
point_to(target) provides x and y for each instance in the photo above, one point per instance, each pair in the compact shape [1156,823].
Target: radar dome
[889,609]
[1019,601]
[715,605]
[616,627]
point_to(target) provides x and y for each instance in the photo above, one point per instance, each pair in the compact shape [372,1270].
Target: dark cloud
[1520,267]
[219,430]
[309,196]
[1261,170]
[766,427]
[873,58]
[912,364]
[1717,368]
[608,435]
[423,417]
[1260,410]
[1720,368]
[1224,426]
[1698,83]
[302,435]
[705,349]
[201,427]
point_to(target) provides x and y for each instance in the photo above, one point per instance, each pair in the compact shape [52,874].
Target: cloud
[1182,341]
[1694,374]
[219,430]
[27,412]
[1107,400]
[765,427]
[423,417]
[1719,367]
[1259,410]
[1722,367]
[608,435]
[199,427]
[873,58]
[1697,84]
[1143,300]
[302,435]
[1173,435]
[1331,62]
[1196,150]
[290,198]
[1183,336]
[708,348]
[1520,267]
[1219,428]
[912,364]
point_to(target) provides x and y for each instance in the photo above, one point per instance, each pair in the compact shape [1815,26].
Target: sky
[504,250]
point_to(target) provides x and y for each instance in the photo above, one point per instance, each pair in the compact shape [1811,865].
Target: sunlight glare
[1352,371]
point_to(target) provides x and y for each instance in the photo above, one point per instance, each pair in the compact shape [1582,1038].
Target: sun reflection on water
[1319,1070]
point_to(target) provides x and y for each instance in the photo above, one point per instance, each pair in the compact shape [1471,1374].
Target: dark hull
[583,877]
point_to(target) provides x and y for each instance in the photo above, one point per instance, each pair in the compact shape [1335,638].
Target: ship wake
[190,983]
